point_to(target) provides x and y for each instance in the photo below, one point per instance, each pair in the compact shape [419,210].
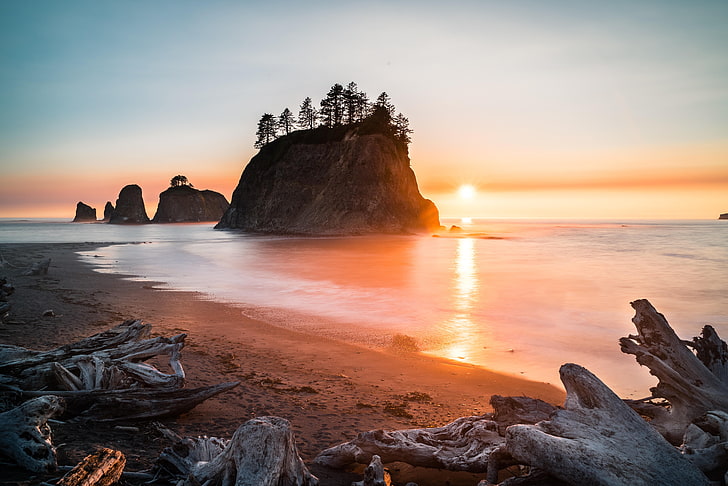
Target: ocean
[520,297]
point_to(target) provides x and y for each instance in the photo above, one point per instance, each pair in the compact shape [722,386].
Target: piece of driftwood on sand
[693,382]
[102,468]
[104,377]
[25,436]
[262,452]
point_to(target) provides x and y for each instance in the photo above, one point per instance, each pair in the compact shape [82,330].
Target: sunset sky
[549,109]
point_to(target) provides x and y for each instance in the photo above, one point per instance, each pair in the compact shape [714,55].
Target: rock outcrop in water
[108,210]
[183,204]
[129,207]
[723,216]
[84,213]
[352,179]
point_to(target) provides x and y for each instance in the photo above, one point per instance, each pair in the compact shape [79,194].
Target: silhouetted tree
[385,102]
[286,121]
[307,114]
[179,180]
[332,107]
[355,103]
[266,132]
[401,128]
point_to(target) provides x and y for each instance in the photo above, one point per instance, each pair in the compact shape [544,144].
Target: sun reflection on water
[466,288]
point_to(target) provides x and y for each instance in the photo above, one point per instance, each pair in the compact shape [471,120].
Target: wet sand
[327,389]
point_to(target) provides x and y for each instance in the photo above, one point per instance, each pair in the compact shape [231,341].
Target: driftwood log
[102,468]
[375,474]
[25,436]
[706,445]
[692,382]
[104,377]
[262,452]
[598,440]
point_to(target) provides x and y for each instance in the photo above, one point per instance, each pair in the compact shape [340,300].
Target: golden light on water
[466,288]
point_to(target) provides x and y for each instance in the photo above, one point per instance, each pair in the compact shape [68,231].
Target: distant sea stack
[84,213]
[129,207]
[108,210]
[185,204]
[331,181]
[723,216]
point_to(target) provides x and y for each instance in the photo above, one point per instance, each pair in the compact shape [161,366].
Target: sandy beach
[327,389]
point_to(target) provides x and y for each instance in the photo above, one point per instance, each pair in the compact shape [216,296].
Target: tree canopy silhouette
[342,106]
[179,180]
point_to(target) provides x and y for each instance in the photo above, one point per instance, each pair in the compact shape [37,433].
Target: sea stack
[84,213]
[129,207]
[723,216]
[185,204]
[346,180]
[108,210]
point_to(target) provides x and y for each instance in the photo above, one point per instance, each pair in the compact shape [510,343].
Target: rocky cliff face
[84,213]
[184,204]
[330,182]
[129,207]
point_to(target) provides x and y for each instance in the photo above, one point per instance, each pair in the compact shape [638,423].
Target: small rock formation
[353,179]
[723,216]
[183,204]
[84,213]
[108,209]
[129,207]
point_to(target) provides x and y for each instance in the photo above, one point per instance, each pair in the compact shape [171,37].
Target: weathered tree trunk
[599,440]
[462,445]
[706,444]
[375,474]
[178,460]
[692,386]
[509,411]
[262,452]
[25,436]
[102,468]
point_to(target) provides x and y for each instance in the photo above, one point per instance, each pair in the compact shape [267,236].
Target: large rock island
[129,207]
[351,179]
[185,204]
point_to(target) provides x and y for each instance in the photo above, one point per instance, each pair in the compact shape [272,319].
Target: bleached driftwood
[598,440]
[186,452]
[375,474]
[692,387]
[104,378]
[706,444]
[509,411]
[262,452]
[102,468]
[38,268]
[462,445]
[25,436]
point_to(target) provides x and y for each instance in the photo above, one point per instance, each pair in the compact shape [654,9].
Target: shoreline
[329,390]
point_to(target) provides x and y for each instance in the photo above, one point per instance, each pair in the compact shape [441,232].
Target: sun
[466,191]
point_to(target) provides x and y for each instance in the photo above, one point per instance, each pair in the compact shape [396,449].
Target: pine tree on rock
[385,102]
[286,121]
[267,130]
[401,128]
[307,115]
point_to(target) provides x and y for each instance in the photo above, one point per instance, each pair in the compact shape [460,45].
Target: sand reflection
[466,289]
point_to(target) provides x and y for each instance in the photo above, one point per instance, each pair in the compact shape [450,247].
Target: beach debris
[693,381]
[25,436]
[375,474]
[38,268]
[509,411]
[49,313]
[462,445]
[104,377]
[705,444]
[102,468]
[262,452]
[597,439]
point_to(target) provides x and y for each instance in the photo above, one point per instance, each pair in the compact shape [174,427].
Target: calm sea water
[522,297]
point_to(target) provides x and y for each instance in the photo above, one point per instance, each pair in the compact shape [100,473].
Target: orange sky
[558,110]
